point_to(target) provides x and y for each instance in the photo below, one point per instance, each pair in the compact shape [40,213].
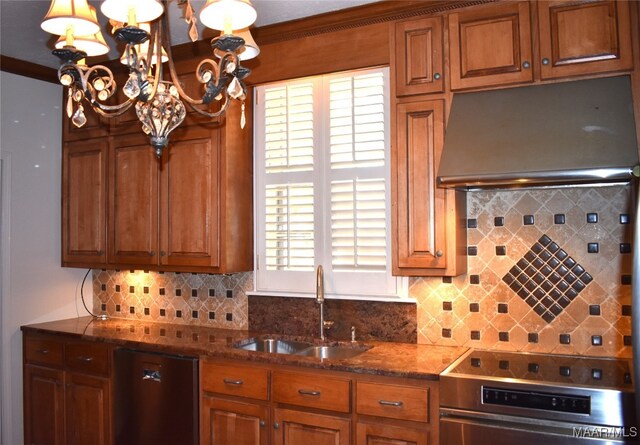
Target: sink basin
[275,345]
[333,352]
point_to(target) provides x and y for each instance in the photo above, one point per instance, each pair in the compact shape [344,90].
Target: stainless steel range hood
[563,133]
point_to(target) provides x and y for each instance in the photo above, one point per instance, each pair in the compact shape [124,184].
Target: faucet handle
[328,324]
[353,333]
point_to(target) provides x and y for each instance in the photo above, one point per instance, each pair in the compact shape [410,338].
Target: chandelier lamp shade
[142,25]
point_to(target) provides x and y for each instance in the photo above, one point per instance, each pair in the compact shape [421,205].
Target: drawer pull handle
[85,358]
[387,403]
[233,382]
[308,392]
[43,351]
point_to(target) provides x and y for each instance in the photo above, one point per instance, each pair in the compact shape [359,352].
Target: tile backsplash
[218,301]
[549,270]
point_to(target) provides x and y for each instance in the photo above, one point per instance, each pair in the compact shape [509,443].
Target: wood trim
[28,69]
[350,18]
[355,17]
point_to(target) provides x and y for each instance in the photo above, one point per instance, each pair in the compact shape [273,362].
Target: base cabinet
[230,422]
[381,434]
[67,392]
[293,427]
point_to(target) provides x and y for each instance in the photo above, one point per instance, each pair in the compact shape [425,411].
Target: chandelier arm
[218,113]
[105,110]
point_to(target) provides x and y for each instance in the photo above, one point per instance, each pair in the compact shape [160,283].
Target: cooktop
[564,370]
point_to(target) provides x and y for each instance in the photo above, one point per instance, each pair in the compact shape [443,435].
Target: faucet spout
[320,297]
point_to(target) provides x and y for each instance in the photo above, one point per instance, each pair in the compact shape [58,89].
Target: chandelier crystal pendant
[143,27]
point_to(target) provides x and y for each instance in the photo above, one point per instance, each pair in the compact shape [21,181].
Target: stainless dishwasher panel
[156,399]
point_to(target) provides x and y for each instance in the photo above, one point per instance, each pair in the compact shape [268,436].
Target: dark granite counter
[384,358]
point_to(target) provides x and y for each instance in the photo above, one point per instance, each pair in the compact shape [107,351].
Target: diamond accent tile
[543,280]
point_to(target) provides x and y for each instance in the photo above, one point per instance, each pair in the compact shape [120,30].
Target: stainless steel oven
[507,398]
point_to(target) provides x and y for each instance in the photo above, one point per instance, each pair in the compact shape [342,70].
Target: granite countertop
[384,358]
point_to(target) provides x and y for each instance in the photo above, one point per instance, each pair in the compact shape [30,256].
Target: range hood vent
[562,133]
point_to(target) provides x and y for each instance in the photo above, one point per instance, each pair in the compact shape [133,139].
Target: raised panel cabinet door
[189,205]
[133,201]
[418,56]
[87,410]
[584,37]
[298,428]
[384,434]
[228,422]
[420,205]
[84,203]
[490,46]
[43,406]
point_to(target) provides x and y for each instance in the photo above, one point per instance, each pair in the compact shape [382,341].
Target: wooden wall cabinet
[490,45]
[165,211]
[190,211]
[579,38]
[84,195]
[427,220]
[418,56]
[67,392]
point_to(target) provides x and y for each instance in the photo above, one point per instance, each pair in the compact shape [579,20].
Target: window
[322,185]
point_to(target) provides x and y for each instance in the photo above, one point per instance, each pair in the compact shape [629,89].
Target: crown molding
[28,69]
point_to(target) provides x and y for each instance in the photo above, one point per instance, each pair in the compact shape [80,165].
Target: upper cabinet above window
[583,38]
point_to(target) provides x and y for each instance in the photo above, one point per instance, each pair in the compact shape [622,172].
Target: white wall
[34,287]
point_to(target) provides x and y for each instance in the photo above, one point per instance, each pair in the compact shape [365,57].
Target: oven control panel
[536,400]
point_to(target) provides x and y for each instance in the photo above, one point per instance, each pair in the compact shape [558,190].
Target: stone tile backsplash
[218,301]
[549,270]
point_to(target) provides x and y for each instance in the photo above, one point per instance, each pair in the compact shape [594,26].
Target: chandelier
[142,26]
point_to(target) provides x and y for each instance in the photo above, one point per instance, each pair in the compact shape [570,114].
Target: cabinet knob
[163,253]
[545,61]
[100,252]
[437,76]
[43,351]
[262,423]
[276,425]
[439,253]
[526,65]
[152,253]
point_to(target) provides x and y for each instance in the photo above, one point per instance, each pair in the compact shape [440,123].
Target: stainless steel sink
[274,345]
[333,352]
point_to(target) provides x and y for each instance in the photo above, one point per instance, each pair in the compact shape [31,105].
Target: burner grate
[547,278]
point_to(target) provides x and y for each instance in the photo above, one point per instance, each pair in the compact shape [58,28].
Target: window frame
[350,284]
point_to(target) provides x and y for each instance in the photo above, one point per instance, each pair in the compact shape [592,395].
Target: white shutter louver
[322,192]
[289,227]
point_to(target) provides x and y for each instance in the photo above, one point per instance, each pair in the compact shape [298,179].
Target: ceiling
[22,38]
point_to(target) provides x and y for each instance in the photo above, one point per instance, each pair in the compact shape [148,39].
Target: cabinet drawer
[91,358]
[242,381]
[393,401]
[311,390]
[45,351]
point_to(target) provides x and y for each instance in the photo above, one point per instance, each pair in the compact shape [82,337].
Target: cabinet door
[584,37]
[298,427]
[418,56]
[420,205]
[43,406]
[190,200]
[87,410]
[133,201]
[383,434]
[490,46]
[84,196]
[226,422]
[95,127]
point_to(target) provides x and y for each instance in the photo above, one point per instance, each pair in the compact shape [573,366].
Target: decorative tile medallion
[547,278]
